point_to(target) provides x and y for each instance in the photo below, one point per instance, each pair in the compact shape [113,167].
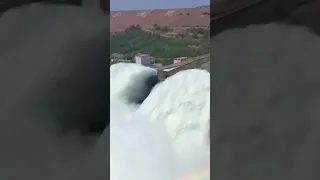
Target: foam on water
[182,102]
[128,81]
[138,147]
[167,133]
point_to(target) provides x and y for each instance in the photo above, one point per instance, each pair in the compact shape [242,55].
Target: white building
[142,59]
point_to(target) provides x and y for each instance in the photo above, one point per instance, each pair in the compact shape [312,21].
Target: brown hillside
[120,20]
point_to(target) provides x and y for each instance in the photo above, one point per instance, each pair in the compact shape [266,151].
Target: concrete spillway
[200,62]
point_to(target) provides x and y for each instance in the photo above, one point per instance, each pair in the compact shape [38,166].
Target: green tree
[135,40]
[156,27]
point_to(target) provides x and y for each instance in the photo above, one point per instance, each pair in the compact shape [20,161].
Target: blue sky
[155,4]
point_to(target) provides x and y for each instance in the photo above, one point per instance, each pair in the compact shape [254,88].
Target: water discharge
[165,137]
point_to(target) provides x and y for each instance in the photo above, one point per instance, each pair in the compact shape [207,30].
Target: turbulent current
[158,132]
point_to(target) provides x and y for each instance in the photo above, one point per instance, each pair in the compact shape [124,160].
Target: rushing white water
[138,147]
[167,135]
[182,102]
[128,81]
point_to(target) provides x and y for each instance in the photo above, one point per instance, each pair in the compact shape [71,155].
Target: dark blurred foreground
[265,118]
[94,4]
[228,14]
[54,75]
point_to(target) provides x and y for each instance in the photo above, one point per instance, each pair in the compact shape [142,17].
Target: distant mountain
[204,6]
